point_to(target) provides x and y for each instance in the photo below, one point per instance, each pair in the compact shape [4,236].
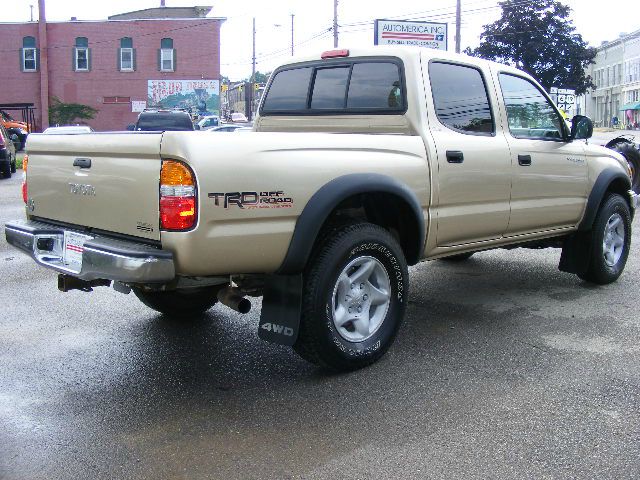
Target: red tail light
[178,202]
[25,196]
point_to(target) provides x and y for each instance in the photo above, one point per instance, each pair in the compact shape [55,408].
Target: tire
[610,241]
[632,155]
[461,257]
[185,303]
[6,170]
[13,166]
[360,267]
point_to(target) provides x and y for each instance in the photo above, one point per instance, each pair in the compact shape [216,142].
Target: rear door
[549,173]
[108,182]
[473,161]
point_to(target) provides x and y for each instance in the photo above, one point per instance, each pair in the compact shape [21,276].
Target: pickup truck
[361,162]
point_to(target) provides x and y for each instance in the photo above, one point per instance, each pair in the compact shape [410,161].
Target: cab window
[529,113]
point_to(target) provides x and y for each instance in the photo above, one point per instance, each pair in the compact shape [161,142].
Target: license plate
[73,248]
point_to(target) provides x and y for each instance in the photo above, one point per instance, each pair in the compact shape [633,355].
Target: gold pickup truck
[361,162]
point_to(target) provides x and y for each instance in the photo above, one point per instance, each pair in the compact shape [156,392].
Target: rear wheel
[6,169]
[182,303]
[354,298]
[13,166]
[610,240]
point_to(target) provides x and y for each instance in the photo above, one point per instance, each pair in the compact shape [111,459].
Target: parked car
[208,122]
[238,117]
[7,152]
[227,127]
[162,121]
[68,129]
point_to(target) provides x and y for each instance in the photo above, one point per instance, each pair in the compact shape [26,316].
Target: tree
[538,37]
[61,113]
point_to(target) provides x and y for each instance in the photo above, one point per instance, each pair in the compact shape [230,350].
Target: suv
[7,153]
[162,121]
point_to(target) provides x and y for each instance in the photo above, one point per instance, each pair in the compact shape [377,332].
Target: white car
[208,122]
[69,129]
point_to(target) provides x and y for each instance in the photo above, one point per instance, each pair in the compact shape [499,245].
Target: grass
[19,157]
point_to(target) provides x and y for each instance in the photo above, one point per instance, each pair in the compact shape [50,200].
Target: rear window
[153,122]
[340,87]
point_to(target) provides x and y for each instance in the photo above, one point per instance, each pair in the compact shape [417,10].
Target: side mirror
[581,127]
[196,126]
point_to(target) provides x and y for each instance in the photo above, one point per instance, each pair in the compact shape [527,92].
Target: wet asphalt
[504,368]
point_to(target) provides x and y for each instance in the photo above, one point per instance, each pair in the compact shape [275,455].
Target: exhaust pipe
[232,298]
[67,283]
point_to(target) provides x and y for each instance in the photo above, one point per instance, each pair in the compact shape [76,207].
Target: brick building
[112,65]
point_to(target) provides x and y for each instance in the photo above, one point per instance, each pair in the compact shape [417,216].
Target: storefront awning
[631,106]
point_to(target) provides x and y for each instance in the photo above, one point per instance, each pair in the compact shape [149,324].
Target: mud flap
[576,253]
[281,308]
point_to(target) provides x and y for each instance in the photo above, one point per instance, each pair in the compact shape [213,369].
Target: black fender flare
[328,197]
[600,187]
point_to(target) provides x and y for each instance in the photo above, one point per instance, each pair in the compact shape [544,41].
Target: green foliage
[67,113]
[538,37]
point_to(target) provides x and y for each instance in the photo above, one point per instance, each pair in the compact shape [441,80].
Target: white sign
[138,105]
[565,98]
[421,34]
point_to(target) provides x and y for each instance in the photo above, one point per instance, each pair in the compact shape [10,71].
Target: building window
[81,55]
[167,56]
[29,55]
[126,55]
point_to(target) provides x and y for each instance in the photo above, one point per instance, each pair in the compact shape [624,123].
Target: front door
[549,172]
[473,161]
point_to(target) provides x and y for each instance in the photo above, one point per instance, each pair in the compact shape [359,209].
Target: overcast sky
[596,20]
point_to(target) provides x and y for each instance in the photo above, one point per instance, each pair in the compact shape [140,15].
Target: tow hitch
[67,283]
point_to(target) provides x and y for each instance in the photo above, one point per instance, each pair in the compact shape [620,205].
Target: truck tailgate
[106,181]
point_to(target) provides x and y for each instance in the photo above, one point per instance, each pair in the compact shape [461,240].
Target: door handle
[82,162]
[455,156]
[524,160]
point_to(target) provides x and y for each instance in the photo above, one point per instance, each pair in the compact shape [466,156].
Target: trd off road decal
[249,200]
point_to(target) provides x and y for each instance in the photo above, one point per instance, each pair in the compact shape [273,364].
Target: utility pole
[253,72]
[335,23]
[458,15]
[44,65]
[292,15]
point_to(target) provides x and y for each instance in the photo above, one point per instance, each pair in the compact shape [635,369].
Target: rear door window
[460,98]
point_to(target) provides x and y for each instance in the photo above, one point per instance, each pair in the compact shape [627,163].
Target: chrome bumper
[635,199]
[102,258]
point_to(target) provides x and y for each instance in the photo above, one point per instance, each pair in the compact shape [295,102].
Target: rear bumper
[102,257]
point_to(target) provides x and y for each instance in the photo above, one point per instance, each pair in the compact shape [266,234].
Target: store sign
[421,34]
[564,98]
[193,95]
[138,105]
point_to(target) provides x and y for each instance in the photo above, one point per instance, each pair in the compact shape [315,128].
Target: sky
[595,20]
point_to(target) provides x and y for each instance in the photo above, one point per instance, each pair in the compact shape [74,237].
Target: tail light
[25,161]
[178,202]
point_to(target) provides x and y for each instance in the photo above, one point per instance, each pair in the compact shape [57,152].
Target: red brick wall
[196,41]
